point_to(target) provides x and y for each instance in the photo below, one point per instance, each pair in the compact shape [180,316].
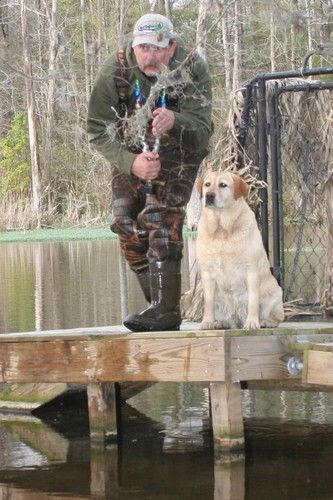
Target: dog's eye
[222,185]
[207,184]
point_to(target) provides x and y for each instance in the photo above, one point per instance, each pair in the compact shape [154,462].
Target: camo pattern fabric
[150,226]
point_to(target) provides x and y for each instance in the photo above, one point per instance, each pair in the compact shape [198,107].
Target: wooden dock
[295,356]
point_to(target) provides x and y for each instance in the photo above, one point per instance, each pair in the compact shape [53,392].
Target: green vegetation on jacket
[192,128]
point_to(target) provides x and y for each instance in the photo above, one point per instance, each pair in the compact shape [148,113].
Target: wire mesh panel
[306,154]
[289,140]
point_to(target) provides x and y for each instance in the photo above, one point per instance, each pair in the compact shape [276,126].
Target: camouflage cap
[154,29]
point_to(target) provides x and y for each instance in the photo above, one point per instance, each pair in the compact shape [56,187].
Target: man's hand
[146,166]
[163,120]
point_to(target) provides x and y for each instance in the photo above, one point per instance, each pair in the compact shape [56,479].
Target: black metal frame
[268,132]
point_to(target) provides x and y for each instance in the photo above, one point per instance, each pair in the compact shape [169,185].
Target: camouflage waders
[149,227]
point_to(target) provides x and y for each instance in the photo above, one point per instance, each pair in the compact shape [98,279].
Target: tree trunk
[201,36]
[121,22]
[194,205]
[94,47]
[292,46]
[223,19]
[53,52]
[236,77]
[99,33]
[85,51]
[309,32]
[168,8]
[272,40]
[32,117]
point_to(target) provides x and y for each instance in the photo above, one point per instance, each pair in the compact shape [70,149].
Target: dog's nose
[210,198]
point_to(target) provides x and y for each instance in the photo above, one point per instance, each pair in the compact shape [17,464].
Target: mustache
[151,64]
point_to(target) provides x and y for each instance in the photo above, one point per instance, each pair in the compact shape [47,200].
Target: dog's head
[221,189]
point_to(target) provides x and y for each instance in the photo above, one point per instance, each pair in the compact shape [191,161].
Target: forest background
[50,52]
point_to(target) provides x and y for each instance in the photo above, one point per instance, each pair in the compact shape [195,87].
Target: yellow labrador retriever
[239,288]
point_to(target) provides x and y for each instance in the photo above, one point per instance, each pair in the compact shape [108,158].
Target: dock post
[229,477]
[227,416]
[102,406]
[104,471]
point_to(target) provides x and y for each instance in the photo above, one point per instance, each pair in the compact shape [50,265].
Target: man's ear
[200,186]
[241,188]
[172,48]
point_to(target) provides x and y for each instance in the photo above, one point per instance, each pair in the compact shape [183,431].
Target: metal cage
[292,213]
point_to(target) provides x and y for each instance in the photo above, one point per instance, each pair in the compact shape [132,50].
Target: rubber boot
[164,313]
[144,280]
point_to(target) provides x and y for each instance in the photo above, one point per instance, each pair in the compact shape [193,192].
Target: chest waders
[148,218]
[149,226]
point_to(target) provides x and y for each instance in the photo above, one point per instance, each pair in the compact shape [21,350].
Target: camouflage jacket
[190,100]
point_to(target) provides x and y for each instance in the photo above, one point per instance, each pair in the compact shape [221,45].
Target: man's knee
[163,245]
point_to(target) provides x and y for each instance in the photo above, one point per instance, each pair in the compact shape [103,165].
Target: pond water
[166,450]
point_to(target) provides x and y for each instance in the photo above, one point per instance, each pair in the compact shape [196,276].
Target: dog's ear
[241,188]
[200,185]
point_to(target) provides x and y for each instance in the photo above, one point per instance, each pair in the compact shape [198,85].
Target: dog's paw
[220,325]
[211,325]
[252,323]
[207,325]
[269,324]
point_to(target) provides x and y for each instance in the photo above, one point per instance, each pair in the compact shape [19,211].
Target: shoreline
[62,234]
[59,234]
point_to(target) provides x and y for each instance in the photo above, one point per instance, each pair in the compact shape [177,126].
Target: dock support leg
[104,471]
[227,416]
[102,411]
[229,477]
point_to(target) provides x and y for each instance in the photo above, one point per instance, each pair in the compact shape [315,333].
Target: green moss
[224,433]
[15,170]
[56,234]
[62,234]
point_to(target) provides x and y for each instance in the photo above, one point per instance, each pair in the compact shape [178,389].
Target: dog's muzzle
[210,199]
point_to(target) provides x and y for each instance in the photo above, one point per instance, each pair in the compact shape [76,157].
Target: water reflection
[166,448]
[283,459]
[166,452]
[49,285]
[67,284]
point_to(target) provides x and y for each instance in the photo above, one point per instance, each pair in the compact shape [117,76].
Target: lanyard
[138,104]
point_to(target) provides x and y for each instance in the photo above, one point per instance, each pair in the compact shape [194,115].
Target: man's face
[151,59]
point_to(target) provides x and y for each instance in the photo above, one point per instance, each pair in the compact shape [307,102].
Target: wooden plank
[103,360]
[258,358]
[319,367]
[188,329]
[103,355]
[227,417]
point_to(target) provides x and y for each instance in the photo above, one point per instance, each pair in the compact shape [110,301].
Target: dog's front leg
[209,287]
[252,278]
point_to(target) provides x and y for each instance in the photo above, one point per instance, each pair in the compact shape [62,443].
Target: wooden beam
[318,367]
[138,358]
[258,358]
[91,355]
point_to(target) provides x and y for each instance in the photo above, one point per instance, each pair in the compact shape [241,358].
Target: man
[155,171]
